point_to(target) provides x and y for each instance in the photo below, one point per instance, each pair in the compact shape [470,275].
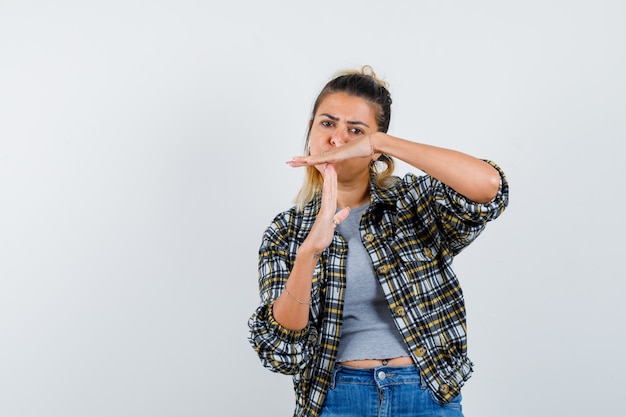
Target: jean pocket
[454,404]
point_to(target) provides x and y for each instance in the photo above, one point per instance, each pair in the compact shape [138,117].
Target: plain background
[142,154]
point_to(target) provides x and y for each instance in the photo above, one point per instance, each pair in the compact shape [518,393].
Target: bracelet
[299,301]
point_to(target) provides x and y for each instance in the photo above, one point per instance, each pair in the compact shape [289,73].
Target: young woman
[359,301]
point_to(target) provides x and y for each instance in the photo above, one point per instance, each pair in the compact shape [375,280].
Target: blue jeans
[384,391]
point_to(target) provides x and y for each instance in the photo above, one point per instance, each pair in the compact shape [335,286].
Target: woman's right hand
[328,218]
[291,309]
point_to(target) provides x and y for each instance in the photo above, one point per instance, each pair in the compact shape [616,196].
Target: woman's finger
[329,192]
[302,161]
[341,216]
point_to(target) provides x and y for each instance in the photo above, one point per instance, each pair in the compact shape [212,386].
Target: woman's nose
[338,137]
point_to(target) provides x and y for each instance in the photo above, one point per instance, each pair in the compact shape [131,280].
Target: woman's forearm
[469,176]
[291,308]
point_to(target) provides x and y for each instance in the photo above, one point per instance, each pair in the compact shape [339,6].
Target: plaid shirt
[411,231]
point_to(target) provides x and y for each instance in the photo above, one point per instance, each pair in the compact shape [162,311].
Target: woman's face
[339,119]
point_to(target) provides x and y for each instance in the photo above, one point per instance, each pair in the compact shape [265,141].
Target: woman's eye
[356,131]
[327,123]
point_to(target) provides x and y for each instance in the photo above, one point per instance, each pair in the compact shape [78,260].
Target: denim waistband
[381,375]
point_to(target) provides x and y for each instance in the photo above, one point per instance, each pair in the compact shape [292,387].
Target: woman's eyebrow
[350,122]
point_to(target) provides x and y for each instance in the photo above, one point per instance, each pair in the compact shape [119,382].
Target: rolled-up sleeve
[280,349]
[460,219]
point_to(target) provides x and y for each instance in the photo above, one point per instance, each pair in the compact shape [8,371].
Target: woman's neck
[352,195]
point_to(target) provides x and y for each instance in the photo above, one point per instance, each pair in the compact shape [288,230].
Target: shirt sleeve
[459,219]
[280,349]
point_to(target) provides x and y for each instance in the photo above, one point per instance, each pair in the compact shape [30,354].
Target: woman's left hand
[357,148]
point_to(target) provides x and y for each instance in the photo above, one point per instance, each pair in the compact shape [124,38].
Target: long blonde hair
[361,83]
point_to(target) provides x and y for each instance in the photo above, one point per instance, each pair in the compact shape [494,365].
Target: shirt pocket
[413,254]
[419,266]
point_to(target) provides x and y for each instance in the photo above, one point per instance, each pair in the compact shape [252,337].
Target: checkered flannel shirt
[411,231]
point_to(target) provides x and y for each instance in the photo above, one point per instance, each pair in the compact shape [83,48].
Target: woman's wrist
[376,140]
[308,253]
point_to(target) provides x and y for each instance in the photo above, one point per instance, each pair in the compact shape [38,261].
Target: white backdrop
[142,150]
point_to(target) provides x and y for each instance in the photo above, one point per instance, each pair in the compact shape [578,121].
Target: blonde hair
[361,83]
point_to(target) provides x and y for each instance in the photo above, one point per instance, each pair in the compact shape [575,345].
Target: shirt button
[368,237]
[382,375]
[444,389]
[420,351]
[400,311]
[383,269]
[428,252]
